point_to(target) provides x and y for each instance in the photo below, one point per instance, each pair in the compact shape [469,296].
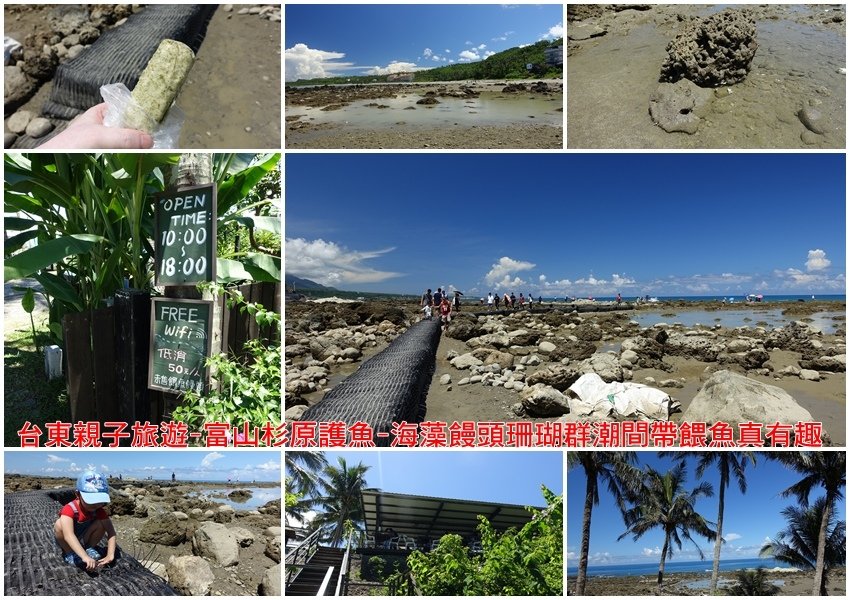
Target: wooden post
[132,346]
[77,334]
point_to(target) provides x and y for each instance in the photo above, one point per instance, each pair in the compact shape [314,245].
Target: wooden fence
[106,353]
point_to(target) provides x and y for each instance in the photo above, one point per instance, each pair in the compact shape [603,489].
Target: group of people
[439,303]
[494,300]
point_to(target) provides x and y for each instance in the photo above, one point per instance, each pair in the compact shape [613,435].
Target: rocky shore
[794,583]
[310,130]
[701,76]
[200,547]
[523,364]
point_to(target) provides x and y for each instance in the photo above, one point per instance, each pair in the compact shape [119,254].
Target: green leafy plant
[244,390]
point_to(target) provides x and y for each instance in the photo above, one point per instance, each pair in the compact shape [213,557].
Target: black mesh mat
[120,55]
[33,562]
[390,386]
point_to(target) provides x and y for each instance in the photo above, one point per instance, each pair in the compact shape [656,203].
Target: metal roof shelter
[434,517]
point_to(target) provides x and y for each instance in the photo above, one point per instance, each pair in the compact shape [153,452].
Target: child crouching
[83,522]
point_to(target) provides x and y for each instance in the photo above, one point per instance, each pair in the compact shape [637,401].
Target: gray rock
[18,122]
[17,87]
[294,413]
[190,575]
[465,361]
[558,376]
[446,379]
[273,549]
[215,542]
[181,516]
[165,529]
[580,33]
[546,347]
[273,531]
[505,360]
[75,51]
[671,383]
[542,400]
[224,514]
[833,364]
[71,40]
[812,119]
[712,51]
[607,366]
[809,375]
[227,7]
[732,398]
[700,347]
[270,585]
[243,536]
[676,107]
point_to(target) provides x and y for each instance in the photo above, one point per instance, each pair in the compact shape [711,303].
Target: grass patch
[28,395]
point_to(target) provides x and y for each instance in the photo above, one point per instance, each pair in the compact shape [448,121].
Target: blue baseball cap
[93,488]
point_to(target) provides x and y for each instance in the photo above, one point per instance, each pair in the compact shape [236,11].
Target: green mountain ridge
[508,64]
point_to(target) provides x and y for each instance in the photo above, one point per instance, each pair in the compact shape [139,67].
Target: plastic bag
[119,101]
[10,46]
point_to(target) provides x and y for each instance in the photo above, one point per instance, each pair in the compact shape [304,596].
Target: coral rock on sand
[164,529]
[216,542]
[270,586]
[273,549]
[712,51]
[676,107]
[732,398]
[190,575]
[543,401]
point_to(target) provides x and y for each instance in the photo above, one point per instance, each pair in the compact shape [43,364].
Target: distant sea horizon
[695,566]
[719,298]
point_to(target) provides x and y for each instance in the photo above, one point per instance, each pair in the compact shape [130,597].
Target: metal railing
[325,582]
[299,556]
[342,580]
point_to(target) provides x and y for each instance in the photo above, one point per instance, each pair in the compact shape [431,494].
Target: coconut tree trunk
[819,588]
[581,580]
[663,560]
[721,504]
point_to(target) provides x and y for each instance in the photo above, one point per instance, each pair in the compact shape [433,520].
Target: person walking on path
[438,298]
[427,298]
[490,301]
[445,313]
[496,301]
[456,306]
[513,300]
[521,301]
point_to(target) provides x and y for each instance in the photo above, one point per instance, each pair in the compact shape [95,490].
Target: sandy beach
[463,114]
[513,353]
[686,584]
[171,513]
[792,97]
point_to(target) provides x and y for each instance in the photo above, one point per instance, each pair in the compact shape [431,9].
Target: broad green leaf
[18,224]
[56,329]
[228,271]
[262,267]
[60,289]
[45,254]
[237,186]
[16,242]
[28,302]
[271,224]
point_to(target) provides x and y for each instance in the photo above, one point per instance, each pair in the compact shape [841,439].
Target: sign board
[185,234]
[180,342]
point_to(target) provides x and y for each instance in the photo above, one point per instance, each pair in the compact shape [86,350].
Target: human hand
[105,560]
[88,132]
[91,564]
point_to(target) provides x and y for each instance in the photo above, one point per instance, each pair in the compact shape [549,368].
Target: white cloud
[52,458]
[303,62]
[435,58]
[651,551]
[469,55]
[447,51]
[427,52]
[506,267]
[542,279]
[489,53]
[269,466]
[731,537]
[524,45]
[74,468]
[393,67]
[482,46]
[330,264]
[210,458]
[468,43]
[817,260]
[556,31]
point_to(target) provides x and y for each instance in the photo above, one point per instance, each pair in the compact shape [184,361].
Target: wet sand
[683,584]
[801,49]
[468,114]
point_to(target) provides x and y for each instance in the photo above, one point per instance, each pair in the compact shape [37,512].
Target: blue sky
[578,224]
[186,464]
[494,476]
[748,519]
[334,39]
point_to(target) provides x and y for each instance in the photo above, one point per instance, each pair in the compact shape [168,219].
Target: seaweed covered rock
[712,51]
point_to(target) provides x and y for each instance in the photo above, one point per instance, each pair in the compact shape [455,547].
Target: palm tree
[304,470]
[819,469]
[617,471]
[753,582]
[728,464]
[797,544]
[341,508]
[663,502]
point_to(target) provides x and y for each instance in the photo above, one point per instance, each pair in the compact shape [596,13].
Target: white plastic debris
[591,396]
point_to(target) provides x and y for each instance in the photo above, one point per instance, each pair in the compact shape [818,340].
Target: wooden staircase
[309,580]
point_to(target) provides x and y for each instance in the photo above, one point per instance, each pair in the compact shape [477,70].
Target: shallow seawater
[796,65]
[490,108]
[259,496]
[739,318]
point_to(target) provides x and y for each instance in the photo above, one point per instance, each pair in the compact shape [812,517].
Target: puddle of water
[259,496]
[795,65]
[490,108]
[739,318]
